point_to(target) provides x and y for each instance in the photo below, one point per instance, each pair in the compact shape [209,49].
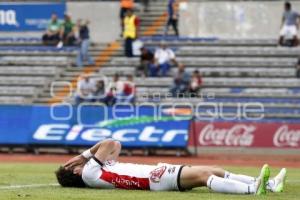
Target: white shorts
[161,177]
[166,177]
[289,31]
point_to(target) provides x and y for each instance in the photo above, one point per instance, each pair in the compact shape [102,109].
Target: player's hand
[77,160]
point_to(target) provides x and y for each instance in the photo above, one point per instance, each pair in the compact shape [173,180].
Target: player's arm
[108,150]
[100,146]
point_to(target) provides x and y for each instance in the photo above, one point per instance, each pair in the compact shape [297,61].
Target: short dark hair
[288,5]
[66,178]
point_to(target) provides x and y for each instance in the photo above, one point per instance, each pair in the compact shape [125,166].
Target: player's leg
[198,176]
[240,177]
[277,183]
[212,177]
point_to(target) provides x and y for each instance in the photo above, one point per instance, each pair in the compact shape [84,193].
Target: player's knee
[218,171]
[204,175]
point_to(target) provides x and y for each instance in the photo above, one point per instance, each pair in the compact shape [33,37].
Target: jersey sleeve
[91,172]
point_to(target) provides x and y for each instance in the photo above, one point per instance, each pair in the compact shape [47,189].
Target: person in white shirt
[289,27]
[85,89]
[115,90]
[164,58]
[98,168]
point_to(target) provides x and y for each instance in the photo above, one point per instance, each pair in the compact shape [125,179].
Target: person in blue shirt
[173,16]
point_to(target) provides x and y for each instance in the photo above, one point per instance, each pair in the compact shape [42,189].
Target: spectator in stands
[68,29]
[99,93]
[163,59]
[146,4]
[84,41]
[52,35]
[115,90]
[128,94]
[181,83]
[298,69]
[173,16]
[289,27]
[195,84]
[85,89]
[146,59]
[125,6]
[131,29]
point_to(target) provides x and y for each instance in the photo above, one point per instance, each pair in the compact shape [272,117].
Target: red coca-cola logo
[286,138]
[237,135]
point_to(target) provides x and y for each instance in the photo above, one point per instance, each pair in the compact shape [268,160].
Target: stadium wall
[144,127]
[232,19]
[244,137]
[65,125]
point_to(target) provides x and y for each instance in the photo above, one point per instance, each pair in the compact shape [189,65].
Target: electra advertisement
[72,126]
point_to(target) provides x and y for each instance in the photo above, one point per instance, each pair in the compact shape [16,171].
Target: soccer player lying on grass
[98,168]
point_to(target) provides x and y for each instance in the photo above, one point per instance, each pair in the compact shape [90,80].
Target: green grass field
[26,174]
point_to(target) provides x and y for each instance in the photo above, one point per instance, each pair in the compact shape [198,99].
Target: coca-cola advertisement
[240,134]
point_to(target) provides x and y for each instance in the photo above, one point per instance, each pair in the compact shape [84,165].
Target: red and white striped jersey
[131,176]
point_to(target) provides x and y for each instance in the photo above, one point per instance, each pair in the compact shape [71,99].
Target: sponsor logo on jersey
[125,182]
[156,174]
[171,170]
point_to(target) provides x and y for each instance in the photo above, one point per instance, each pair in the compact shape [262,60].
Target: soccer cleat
[279,181]
[263,180]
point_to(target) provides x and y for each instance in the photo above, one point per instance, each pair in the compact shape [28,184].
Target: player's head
[287,6]
[68,178]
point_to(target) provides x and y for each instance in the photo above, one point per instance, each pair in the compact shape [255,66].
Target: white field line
[26,186]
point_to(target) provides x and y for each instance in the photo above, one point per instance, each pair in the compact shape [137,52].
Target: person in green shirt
[52,35]
[67,33]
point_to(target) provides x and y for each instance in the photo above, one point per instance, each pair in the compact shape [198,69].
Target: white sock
[247,179]
[223,185]
[240,178]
